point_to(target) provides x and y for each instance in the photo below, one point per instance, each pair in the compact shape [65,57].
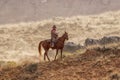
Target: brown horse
[59,45]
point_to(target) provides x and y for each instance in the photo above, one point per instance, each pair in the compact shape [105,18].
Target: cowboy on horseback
[54,36]
[57,42]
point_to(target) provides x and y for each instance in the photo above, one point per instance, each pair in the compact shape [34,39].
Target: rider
[54,36]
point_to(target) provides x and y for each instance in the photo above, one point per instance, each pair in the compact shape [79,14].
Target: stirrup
[52,45]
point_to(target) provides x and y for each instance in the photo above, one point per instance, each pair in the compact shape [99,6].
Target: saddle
[50,41]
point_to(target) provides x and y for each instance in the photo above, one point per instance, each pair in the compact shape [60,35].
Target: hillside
[91,53]
[19,42]
[96,64]
[15,11]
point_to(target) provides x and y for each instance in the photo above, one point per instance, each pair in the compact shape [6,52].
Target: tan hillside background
[19,42]
[15,11]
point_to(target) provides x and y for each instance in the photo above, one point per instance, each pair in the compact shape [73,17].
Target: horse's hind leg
[46,53]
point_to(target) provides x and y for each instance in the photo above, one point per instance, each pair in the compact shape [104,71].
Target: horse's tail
[39,48]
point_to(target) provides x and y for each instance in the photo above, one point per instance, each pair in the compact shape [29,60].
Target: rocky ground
[95,64]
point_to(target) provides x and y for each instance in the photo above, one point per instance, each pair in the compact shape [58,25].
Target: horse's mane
[61,36]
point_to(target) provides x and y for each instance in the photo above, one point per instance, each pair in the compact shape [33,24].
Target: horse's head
[66,35]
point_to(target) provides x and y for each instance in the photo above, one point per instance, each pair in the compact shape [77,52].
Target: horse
[59,45]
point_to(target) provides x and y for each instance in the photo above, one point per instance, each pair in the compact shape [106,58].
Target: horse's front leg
[56,54]
[61,53]
[45,56]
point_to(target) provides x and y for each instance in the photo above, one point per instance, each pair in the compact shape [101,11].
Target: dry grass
[19,42]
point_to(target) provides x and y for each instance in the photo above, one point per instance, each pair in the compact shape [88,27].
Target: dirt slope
[99,64]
